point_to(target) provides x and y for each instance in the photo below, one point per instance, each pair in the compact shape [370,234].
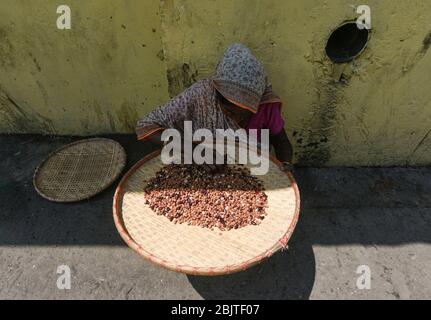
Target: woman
[237,96]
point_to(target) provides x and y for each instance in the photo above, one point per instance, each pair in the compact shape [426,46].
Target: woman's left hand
[286,166]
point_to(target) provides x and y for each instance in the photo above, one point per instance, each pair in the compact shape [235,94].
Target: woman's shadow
[286,275]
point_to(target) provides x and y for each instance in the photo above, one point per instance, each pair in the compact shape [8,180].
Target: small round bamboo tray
[196,250]
[79,170]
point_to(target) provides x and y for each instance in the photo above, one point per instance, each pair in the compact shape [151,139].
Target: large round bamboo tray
[196,250]
[79,170]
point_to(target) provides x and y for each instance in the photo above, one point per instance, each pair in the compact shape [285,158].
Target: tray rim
[53,153]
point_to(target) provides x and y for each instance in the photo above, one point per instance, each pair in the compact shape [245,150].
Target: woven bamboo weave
[197,250]
[79,170]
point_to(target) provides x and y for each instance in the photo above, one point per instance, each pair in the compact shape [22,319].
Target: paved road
[378,217]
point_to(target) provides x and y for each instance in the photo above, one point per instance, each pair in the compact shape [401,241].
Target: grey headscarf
[240,77]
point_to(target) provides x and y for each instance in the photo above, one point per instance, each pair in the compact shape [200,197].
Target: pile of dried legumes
[229,198]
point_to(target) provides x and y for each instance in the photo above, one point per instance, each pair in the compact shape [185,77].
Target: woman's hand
[283,150]
[286,166]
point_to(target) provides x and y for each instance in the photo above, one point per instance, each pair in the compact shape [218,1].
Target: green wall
[123,58]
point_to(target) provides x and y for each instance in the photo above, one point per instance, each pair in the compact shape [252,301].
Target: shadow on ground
[286,275]
[367,206]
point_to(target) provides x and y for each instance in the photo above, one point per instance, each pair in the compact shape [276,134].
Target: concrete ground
[378,217]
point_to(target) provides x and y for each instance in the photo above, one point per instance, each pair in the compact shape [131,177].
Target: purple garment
[268,116]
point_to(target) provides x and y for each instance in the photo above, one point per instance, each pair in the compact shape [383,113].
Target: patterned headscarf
[240,78]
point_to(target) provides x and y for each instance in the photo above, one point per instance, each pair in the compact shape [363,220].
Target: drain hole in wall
[346,42]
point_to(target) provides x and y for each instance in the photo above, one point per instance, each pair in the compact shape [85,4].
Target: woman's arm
[170,115]
[282,147]
[156,138]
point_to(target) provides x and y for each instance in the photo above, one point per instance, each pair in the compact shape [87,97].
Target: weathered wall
[122,58]
[97,77]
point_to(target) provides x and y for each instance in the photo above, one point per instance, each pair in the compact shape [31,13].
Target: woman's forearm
[282,146]
[156,137]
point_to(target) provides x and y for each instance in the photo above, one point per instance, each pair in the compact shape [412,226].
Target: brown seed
[229,199]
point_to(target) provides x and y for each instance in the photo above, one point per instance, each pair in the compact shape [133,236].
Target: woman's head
[240,77]
[233,111]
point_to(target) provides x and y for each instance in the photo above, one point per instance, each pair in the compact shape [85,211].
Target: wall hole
[346,42]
